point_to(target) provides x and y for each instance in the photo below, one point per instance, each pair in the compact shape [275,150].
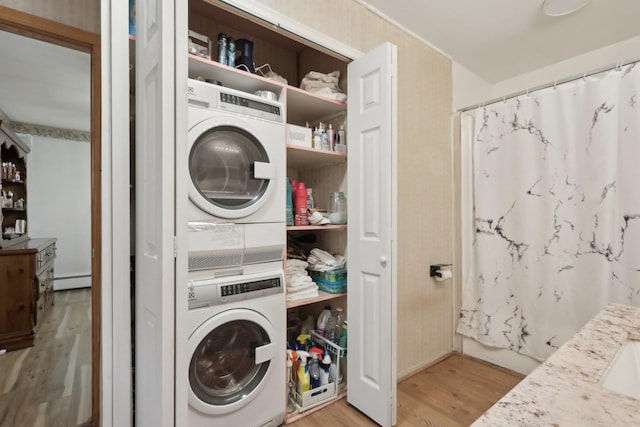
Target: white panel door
[371,235]
[154,192]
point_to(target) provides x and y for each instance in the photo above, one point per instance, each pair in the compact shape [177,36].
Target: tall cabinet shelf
[324,171]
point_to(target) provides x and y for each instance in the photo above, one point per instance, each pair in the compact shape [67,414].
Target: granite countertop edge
[565,389]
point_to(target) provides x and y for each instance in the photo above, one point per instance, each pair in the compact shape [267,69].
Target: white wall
[469,89]
[59,204]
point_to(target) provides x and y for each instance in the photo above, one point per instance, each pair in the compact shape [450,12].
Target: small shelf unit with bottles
[13,156]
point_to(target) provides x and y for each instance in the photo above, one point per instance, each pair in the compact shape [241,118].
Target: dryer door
[231,173]
[231,361]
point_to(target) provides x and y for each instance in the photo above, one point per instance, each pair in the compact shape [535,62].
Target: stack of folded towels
[299,284]
[320,260]
[323,84]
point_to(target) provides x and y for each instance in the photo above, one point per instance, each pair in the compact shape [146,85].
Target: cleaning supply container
[337,208]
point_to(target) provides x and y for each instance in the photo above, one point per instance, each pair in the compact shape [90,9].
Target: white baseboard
[74,283]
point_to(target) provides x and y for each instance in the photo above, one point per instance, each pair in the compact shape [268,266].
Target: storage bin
[332,281]
[332,288]
[315,397]
[299,135]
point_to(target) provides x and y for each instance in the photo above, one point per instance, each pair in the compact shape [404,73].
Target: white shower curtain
[556,208]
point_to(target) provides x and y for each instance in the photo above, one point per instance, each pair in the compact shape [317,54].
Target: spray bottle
[304,380]
[325,366]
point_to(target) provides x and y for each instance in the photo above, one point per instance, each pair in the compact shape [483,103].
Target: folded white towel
[296,263]
[298,296]
[298,282]
[302,290]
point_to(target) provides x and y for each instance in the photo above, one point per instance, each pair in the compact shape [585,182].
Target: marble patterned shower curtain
[556,200]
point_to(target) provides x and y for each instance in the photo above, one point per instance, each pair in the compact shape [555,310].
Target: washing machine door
[231,361]
[231,173]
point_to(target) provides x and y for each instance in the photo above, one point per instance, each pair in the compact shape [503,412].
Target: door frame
[32,26]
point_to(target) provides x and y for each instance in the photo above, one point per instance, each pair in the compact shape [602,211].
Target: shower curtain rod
[551,84]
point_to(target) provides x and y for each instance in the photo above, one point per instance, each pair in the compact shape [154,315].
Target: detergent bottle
[304,381]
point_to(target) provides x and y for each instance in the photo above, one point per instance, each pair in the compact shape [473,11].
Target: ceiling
[500,39]
[45,84]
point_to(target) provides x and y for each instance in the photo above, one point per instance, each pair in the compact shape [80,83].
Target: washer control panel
[222,290]
[243,288]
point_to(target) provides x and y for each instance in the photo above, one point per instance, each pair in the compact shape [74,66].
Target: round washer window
[221,165]
[223,368]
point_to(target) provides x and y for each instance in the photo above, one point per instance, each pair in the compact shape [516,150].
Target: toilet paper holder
[433,269]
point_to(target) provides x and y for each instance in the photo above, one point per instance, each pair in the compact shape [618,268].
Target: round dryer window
[222,164]
[223,368]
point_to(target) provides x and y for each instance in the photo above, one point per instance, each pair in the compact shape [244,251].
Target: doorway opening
[23,24]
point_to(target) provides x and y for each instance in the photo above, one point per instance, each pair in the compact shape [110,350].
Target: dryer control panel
[213,97]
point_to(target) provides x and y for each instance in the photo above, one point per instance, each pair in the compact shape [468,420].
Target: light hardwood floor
[49,384]
[451,393]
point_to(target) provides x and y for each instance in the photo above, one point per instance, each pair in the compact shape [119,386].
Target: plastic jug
[300,214]
[321,324]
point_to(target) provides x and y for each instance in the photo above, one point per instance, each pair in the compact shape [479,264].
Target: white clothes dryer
[237,178]
[237,348]
[237,155]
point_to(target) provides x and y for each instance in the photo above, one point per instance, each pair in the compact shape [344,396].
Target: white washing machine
[237,185]
[237,347]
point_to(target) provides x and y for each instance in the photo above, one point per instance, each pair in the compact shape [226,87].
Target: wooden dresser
[26,290]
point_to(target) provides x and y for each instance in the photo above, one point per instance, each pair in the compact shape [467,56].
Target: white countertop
[565,390]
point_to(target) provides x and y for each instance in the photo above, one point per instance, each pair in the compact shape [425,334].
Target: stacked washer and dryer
[236,242]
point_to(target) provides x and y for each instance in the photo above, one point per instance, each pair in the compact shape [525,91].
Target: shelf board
[14,209]
[316,227]
[12,181]
[231,77]
[324,296]
[303,107]
[312,158]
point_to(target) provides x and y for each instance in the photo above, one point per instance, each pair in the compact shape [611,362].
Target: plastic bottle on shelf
[317,138]
[330,334]
[314,372]
[300,213]
[231,52]
[343,335]
[289,203]
[324,137]
[342,135]
[321,324]
[310,204]
[338,327]
[330,136]
[222,48]
[304,381]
